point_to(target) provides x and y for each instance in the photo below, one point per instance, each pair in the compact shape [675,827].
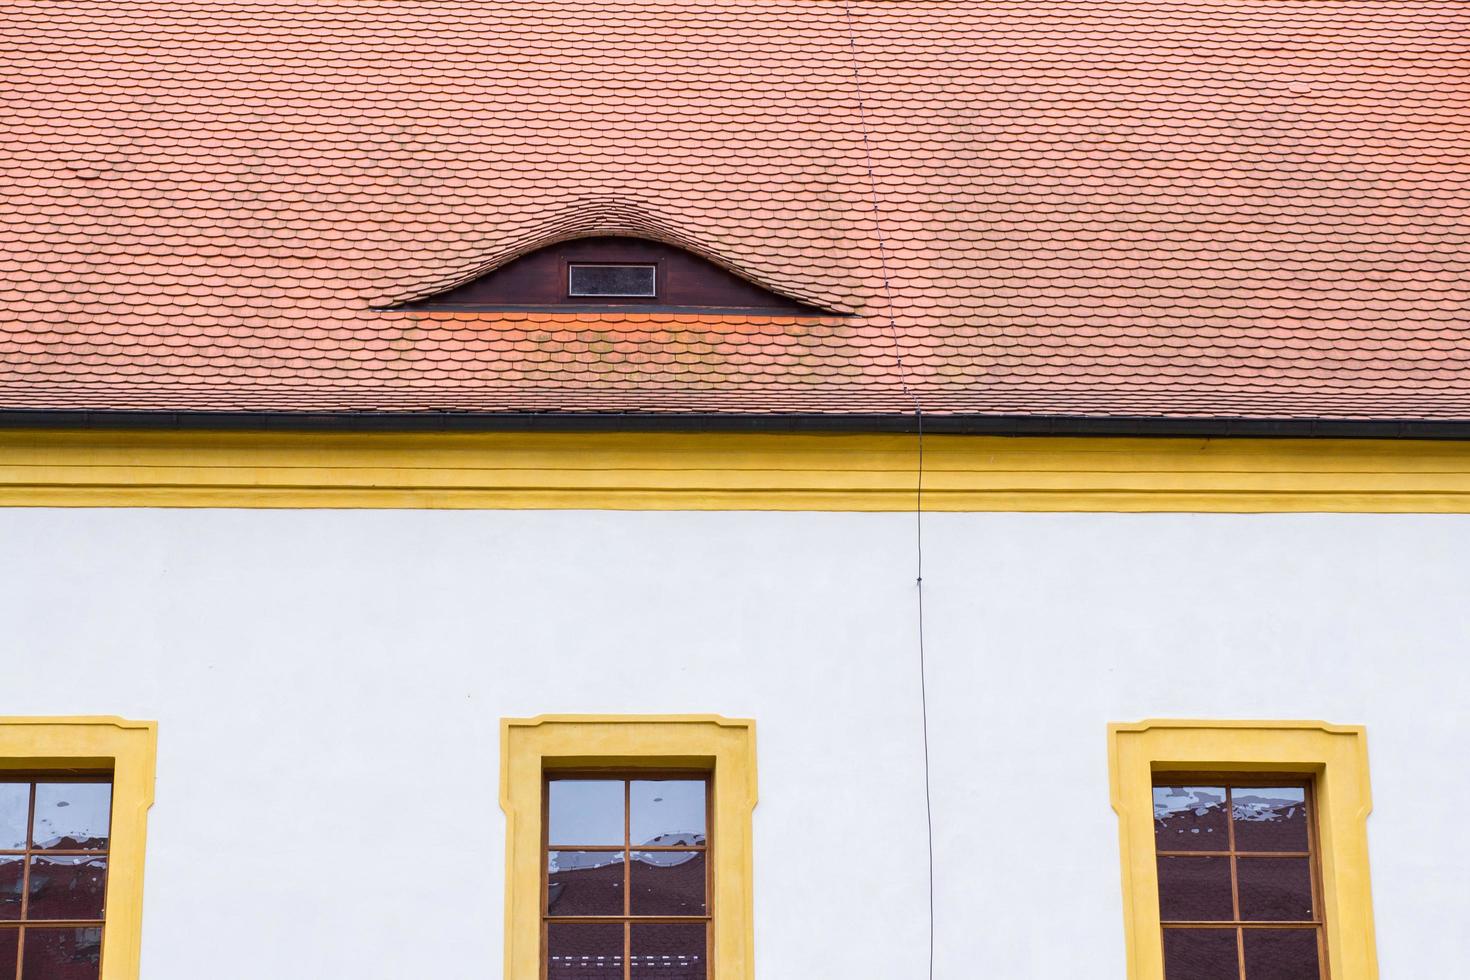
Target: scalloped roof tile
[1169,208]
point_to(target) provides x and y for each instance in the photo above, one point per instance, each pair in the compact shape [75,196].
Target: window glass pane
[15,805]
[1195,889]
[584,883]
[668,812]
[1190,818]
[1270,819]
[611,280]
[67,887]
[1275,888]
[584,951]
[62,954]
[586,811]
[12,874]
[668,882]
[73,816]
[1200,954]
[668,951]
[1281,954]
[9,950]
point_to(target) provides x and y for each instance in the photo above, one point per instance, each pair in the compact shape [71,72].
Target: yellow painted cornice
[717,471]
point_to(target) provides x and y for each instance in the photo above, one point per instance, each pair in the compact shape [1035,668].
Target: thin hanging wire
[919,475]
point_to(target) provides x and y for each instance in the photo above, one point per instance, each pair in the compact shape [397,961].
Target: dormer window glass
[605,280]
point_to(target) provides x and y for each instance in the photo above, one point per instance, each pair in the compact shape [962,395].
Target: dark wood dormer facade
[613,273]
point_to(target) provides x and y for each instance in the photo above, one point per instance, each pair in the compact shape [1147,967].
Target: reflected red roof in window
[1191,208]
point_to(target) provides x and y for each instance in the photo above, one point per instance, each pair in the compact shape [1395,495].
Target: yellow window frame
[1335,757]
[725,747]
[129,749]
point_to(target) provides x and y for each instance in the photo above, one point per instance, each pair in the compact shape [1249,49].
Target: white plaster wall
[328,686]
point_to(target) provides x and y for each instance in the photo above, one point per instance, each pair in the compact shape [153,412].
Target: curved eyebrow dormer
[613,273]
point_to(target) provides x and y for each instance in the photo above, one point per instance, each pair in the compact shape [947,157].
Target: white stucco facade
[328,687]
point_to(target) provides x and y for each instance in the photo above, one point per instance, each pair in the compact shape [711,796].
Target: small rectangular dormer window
[602,280]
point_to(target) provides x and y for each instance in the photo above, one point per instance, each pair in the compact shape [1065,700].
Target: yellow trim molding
[727,471]
[1335,755]
[129,749]
[725,746]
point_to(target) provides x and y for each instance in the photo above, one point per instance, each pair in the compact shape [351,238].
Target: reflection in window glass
[12,878]
[73,816]
[1282,954]
[584,951]
[15,804]
[586,811]
[668,883]
[668,811]
[1275,888]
[62,954]
[1195,889]
[667,950]
[584,883]
[67,886]
[1270,819]
[1190,818]
[1201,954]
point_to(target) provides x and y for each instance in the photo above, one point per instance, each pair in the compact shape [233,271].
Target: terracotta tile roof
[1190,208]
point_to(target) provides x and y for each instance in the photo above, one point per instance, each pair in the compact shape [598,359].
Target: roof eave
[851,423]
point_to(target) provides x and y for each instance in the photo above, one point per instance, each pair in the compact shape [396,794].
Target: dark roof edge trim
[1004,425]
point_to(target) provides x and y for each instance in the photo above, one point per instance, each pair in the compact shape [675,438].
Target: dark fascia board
[906,422]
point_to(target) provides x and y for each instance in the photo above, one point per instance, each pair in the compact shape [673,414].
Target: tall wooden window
[626,889]
[1239,885]
[54,835]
